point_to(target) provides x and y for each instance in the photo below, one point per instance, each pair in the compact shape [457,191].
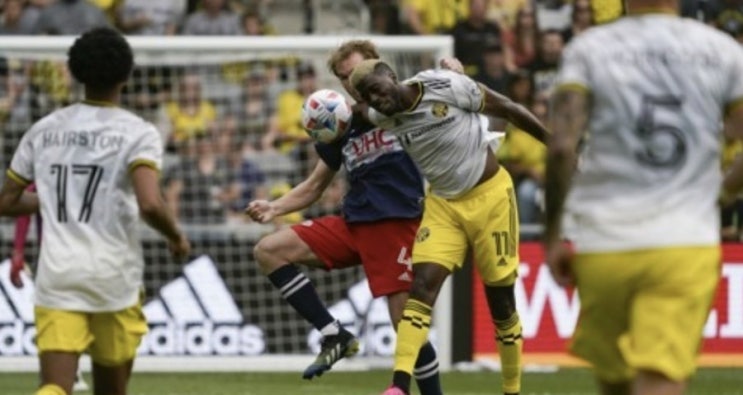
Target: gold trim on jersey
[733,105]
[573,86]
[143,162]
[99,103]
[417,99]
[17,178]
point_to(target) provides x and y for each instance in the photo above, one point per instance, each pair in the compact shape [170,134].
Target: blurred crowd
[233,130]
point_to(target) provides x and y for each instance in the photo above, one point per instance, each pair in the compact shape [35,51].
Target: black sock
[298,290]
[427,371]
[401,380]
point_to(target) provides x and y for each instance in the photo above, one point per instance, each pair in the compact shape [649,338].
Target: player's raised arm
[497,105]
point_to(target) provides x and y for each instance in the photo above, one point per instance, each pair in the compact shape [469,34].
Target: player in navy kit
[380,218]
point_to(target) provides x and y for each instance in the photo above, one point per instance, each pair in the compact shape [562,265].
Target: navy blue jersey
[383,181]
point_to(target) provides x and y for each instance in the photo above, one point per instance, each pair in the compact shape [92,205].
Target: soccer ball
[326,115]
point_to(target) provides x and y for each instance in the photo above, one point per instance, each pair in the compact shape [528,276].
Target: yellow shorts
[485,219]
[111,339]
[644,310]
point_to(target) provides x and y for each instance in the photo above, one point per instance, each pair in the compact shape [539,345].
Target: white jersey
[80,157]
[443,133]
[649,173]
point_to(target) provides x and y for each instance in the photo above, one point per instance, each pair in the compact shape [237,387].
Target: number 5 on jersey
[92,175]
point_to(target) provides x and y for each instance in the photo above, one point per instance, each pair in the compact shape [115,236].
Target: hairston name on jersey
[91,139]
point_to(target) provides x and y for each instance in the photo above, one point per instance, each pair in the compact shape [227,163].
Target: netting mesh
[229,120]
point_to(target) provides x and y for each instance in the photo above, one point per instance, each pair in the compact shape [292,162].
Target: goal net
[227,109]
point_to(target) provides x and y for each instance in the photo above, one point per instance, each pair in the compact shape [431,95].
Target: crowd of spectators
[231,129]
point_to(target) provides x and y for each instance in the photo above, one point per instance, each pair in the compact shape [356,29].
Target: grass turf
[563,382]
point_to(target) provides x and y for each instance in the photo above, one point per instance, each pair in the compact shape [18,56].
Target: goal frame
[55,47]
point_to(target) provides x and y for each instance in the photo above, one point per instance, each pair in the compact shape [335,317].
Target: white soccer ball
[326,115]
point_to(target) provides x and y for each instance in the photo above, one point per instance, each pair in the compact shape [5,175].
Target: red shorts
[382,247]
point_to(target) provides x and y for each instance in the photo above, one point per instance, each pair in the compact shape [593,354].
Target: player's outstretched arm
[498,105]
[298,198]
[15,200]
[155,212]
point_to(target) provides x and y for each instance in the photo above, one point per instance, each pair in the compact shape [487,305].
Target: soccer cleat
[80,384]
[333,349]
[393,390]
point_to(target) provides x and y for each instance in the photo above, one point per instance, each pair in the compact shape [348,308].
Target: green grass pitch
[563,382]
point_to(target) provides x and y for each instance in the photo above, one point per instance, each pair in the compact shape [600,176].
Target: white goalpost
[213,97]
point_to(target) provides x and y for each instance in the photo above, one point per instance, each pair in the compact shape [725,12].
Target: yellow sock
[412,334]
[510,343]
[50,389]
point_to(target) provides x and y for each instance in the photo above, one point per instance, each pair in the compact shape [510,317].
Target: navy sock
[298,290]
[427,371]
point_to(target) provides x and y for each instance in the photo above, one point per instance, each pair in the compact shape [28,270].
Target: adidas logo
[195,314]
[17,329]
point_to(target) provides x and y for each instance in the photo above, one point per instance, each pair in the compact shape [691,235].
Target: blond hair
[362,70]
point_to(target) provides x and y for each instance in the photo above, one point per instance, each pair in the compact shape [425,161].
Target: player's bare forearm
[568,121]
[152,207]
[15,201]
[306,192]
[526,121]
[27,204]
[160,218]
[497,105]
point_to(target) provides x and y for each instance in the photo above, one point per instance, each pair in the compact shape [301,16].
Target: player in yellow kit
[646,94]
[470,204]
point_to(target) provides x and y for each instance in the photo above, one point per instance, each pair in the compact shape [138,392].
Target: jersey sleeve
[22,166]
[573,72]
[467,93]
[734,96]
[147,150]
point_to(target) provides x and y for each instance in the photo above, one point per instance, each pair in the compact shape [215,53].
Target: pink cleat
[392,390]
